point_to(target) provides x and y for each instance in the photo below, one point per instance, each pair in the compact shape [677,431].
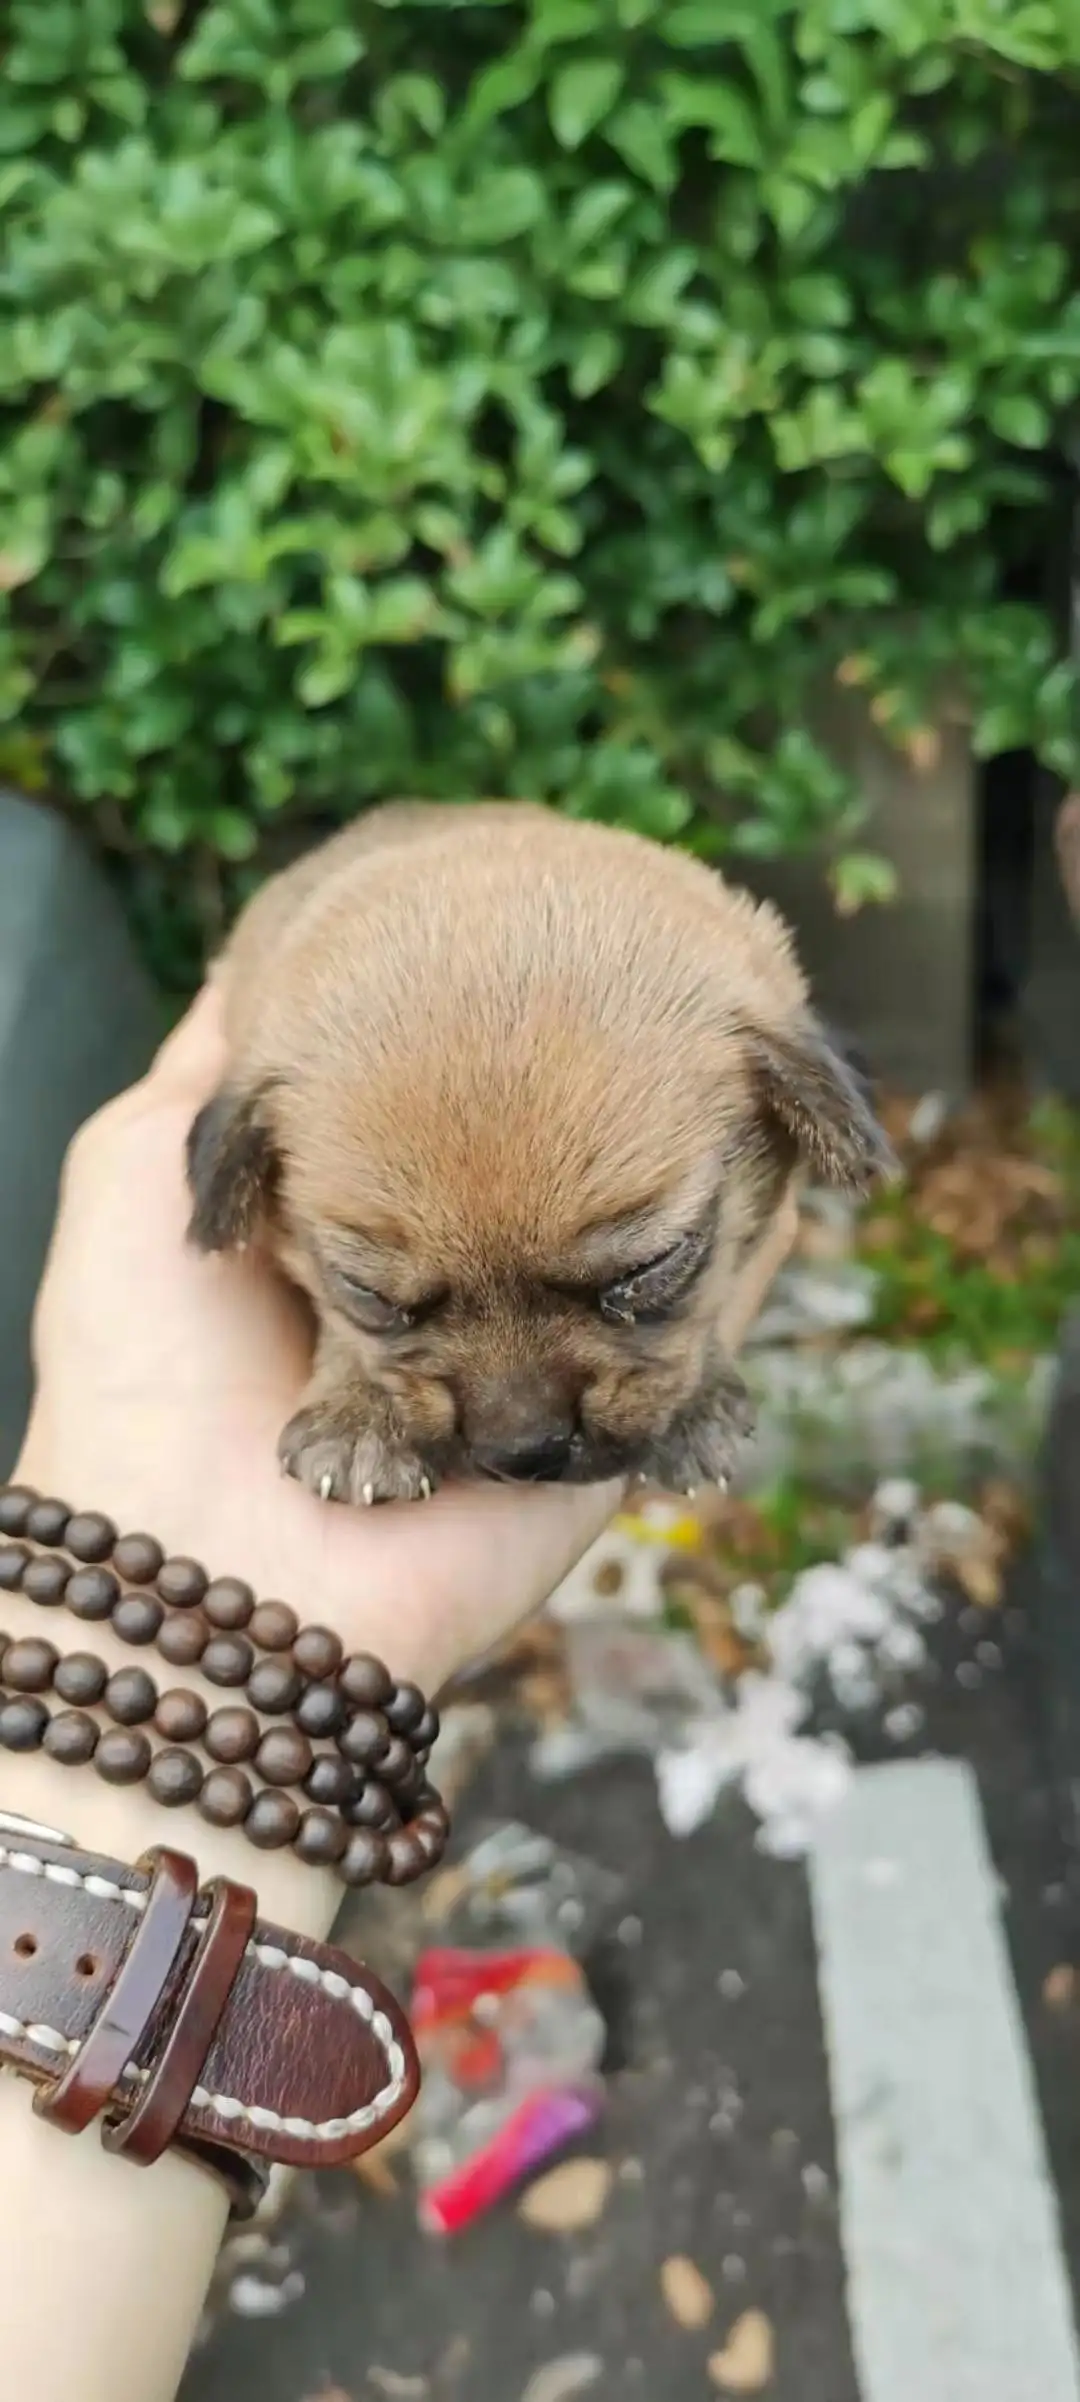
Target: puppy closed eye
[369,1310]
[653,1290]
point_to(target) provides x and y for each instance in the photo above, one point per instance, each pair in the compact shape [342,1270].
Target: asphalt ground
[723,2124]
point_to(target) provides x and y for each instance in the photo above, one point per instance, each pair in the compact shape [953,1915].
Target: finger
[193,1055]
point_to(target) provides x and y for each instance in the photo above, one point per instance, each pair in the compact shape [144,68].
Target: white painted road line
[957,2289]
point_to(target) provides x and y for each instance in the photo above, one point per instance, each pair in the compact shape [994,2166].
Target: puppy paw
[704,1448]
[361,1467]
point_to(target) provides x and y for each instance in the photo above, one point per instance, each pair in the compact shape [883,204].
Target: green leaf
[501,87]
[721,108]
[581,96]
[859,878]
[1018,417]
[639,133]
[594,362]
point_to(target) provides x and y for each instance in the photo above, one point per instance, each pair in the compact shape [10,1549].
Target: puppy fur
[520,1103]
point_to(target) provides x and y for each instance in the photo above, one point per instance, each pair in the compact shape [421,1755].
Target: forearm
[104,2267]
[163,1382]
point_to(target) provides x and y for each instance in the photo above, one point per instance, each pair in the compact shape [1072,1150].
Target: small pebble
[560,2380]
[904,1722]
[252,2298]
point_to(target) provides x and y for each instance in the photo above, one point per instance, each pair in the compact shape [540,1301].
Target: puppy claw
[341,1463]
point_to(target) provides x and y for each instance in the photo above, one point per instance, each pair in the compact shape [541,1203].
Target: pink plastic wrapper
[510,2042]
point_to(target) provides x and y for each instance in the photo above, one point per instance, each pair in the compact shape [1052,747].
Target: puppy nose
[529,1460]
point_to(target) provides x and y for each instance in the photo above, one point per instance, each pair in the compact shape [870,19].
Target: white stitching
[269,1956]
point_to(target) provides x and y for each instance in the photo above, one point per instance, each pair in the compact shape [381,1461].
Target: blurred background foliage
[549,397]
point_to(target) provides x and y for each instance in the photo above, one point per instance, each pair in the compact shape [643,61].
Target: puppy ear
[232,1168]
[822,1105]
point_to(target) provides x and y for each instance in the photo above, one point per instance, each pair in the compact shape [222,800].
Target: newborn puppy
[519,1103]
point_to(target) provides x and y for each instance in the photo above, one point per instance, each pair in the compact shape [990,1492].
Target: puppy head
[521,1142]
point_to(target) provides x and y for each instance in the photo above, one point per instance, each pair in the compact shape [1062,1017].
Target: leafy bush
[546,396]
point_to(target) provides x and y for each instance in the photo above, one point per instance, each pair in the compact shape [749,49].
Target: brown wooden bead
[367,1858]
[274,1626]
[232,1735]
[175,1777]
[366,1740]
[137,1559]
[228,1603]
[330,1779]
[92,1593]
[72,1738]
[16,1503]
[283,1756]
[228,1660]
[131,1696]
[397,1764]
[430,1836]
[123,1753]
[13,1561]
[181,1583]
[272,1821]
[371,1807]
[321,1838]
[407,1790]
[182,1641]
[273,1687]
[181,1716]
[317,1651]
[81,1679]
[47,1522]
[407,1856]
[23,1724]
[427,1732]
[46,1581]
[365,1681]
[405,1709]
[29,1664]
[226,1797]
[138,1618]
[90,1536]
[322,1711]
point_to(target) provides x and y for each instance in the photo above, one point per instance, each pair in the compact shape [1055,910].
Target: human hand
[163,1380]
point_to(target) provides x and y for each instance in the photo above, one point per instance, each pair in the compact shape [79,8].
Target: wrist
[125,1821]
[116,2225]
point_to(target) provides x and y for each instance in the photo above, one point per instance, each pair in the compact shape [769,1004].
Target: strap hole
[86,1965]
[25,1947]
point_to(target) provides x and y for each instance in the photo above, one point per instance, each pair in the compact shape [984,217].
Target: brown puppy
[518,1102]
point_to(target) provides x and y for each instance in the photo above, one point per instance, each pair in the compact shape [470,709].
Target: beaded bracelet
[348,1739]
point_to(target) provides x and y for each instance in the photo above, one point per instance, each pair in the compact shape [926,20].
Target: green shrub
[531,396]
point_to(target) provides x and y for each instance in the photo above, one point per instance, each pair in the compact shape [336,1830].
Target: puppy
[520,1104]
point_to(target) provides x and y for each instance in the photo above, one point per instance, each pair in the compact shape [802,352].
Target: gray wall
[899,977]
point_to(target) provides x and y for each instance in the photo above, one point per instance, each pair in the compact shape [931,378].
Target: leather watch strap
[179,2017]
